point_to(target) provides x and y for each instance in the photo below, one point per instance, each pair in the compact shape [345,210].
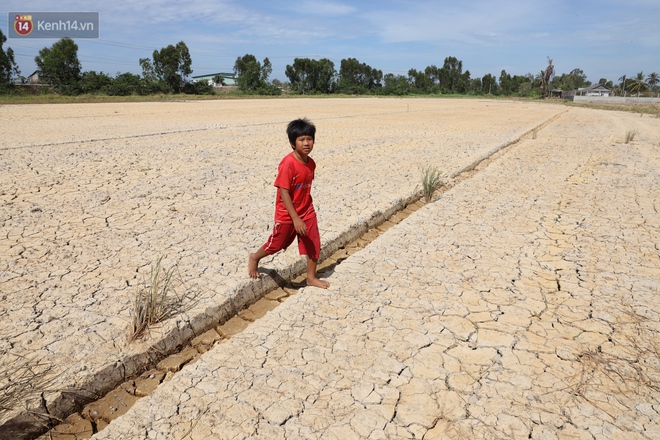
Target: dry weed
[432,179]
[154,301]
[631,367]
[23,386]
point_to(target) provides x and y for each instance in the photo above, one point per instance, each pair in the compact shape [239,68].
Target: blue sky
[604,38]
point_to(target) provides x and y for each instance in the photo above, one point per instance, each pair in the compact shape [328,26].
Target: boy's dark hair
[300,127]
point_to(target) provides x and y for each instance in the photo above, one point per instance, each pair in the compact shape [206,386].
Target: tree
[8,68]
[525,89]
[652,80]
[59,65]
[252,76]
[356,77]
[464,83]
[572,81]
[638,84]
[94,82]
[475,87]
[546,77]
[539,80]
[279,84]
[170,65]
[579,78]
[622,79]
[219,79]
[506,83]
[518,81]
[420,82]
[450,75]
[311,76]
[148,70]
[489,84]
[198,88]
[150,81]
[127,84]
[433,74]
[395,85]
[327,75]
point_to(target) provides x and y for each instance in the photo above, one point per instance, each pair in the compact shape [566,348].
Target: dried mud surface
[92,195]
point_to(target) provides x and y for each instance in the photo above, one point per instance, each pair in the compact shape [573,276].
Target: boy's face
[303,146]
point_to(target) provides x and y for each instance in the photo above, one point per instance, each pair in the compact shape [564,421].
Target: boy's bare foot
[253,266]
[323,284]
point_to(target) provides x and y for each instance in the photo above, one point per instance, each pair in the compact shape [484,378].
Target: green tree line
[169,70]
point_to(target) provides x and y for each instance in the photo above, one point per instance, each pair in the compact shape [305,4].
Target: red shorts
[284,233]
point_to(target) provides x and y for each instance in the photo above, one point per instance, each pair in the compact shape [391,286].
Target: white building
[227,79]
[594,90]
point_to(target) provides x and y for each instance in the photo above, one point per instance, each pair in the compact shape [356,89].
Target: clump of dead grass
[22,387]
[432,180]
[633,369]
[154,300]
[630,136]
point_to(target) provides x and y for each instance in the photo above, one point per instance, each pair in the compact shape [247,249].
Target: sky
[603,38]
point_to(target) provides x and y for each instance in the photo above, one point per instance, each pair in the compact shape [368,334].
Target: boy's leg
[312,279]
[253,262]
[281,237]
[310,245]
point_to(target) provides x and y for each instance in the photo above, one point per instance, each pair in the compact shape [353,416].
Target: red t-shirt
[297,178]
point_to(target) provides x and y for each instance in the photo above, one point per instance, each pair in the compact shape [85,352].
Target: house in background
[227,79]
[34,78]
[594,90]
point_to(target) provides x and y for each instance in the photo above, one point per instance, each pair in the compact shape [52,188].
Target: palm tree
[545,77]
[623,86]
[638,83]
[539,79]
[652,80]
[549,74]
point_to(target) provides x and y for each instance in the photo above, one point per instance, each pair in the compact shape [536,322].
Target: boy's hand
[300,226]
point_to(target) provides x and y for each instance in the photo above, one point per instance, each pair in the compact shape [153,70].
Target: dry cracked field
[91,195]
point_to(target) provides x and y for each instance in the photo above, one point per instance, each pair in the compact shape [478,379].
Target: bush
[125,84]
[198,88]
[93,82]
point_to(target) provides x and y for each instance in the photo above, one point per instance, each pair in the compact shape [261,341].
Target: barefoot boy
[294,211]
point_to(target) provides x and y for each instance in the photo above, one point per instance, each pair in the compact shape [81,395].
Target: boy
[294,211]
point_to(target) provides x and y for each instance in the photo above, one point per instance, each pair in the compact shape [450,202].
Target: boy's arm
[298,224]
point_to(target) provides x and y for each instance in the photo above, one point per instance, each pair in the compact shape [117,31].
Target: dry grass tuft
[154,301]
[22,388]
[630,136]
[631,367]
[432,179]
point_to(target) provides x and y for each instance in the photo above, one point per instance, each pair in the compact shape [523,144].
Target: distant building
[594,90]
[227,79]
[34,78]
[556,93]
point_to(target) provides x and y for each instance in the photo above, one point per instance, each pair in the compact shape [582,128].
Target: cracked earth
[520,303]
